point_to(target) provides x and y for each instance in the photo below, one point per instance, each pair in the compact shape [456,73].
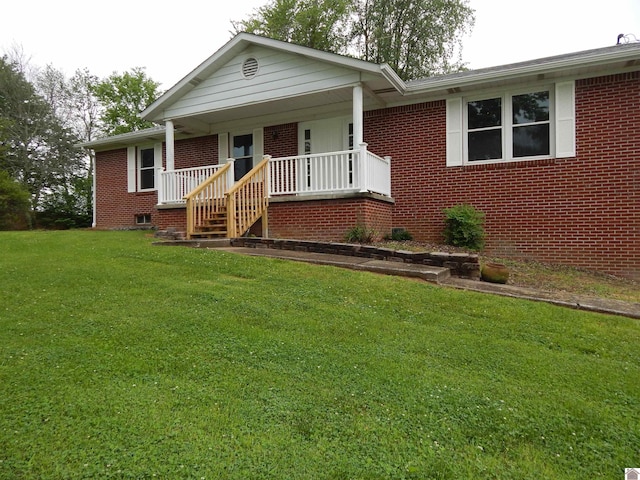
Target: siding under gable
[280,75]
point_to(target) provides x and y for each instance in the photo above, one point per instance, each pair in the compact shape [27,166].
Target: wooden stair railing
[248,200]
[206,203]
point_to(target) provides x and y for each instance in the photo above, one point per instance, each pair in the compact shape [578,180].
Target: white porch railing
[332,172]
[175,184]
[322,173]
[378,174]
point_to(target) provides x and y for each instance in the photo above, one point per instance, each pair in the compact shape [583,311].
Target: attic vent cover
[250,68]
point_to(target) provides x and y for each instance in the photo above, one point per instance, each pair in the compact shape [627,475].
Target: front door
[322,136]
[242,152]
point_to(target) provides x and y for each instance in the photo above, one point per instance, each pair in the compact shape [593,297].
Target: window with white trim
[524,124]
[143,164]
[146,169]
[509,127]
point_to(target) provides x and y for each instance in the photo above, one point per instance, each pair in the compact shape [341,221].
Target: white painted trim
[223,147]
[565,113]
[131,169]
[454,132]
[358,118]
[169,142]
[258,145]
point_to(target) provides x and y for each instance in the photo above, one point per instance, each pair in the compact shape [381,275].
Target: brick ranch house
[299,143]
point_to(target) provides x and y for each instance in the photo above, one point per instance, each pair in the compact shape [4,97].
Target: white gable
[279,75]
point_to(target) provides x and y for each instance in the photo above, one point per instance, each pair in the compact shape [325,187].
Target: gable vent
[250,68]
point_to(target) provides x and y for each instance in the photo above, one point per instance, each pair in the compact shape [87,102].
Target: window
[144,219]
[147,169]
[509,127]
[142,165]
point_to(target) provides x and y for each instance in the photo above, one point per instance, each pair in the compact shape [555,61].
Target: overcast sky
[170,39]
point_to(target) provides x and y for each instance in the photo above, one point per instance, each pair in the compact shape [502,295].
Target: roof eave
[126,139]
[514,72]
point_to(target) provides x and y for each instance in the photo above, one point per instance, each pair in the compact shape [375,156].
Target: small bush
[464,227]
[360,234]
[15,204]
[399,235]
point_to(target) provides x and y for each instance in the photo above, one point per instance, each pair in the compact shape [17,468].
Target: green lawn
[123,360]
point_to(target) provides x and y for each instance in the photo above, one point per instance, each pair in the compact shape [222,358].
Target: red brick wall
[281,140]
[196,152]
[580,211]
[171,218]
[327,220]
[116,208]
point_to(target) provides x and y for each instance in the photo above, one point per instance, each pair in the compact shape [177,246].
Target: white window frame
[507,124]
[134,167]
[140,168]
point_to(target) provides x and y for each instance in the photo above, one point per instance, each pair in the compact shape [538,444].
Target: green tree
[14,203]
[417,38]
[38,149]
[123,98]
[318,24]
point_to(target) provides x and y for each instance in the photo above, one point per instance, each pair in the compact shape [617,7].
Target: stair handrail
[207,199]
[248,199]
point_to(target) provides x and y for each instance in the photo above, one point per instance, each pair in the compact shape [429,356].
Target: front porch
[312,196]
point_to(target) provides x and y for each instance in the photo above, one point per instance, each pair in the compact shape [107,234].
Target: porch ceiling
[281,111]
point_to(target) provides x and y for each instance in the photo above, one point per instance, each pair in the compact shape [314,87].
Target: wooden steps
[213,227]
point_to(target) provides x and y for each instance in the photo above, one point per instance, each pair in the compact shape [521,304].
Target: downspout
[94,221]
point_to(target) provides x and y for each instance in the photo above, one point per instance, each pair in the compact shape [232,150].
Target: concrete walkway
[437,275]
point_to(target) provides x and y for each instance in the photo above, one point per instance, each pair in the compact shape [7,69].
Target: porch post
[169,139]
[357,116]
[358,141]
[231,174]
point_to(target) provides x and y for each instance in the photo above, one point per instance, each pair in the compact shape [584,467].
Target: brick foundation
[328,220]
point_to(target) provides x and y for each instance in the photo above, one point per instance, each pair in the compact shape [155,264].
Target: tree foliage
[317,24]
[417,38]
[38,150]
[124,96]
[14,203]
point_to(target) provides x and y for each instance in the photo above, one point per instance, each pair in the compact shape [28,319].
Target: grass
[122,360]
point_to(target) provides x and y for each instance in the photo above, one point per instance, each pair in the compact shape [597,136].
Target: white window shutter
[131,169]
[157,163]
[454,132]
[258,145]
[565,120]
[223,148]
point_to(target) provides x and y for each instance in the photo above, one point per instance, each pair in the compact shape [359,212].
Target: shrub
[15,204]
[360,234]
[464,227]
[399,235]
